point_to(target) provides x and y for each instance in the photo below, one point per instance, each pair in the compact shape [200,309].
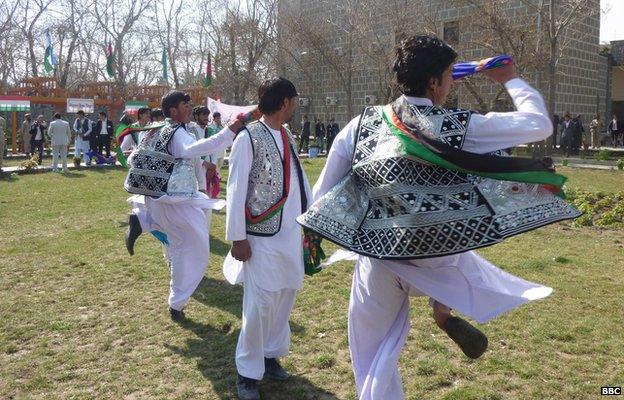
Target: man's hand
[503,74]
[241,250]
[237,123]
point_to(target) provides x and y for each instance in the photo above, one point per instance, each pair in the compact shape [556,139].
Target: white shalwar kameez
[273,274]
[379,304]
[183,219]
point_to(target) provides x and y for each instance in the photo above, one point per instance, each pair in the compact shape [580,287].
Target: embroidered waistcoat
[154,172]
[394,206]
[266,179]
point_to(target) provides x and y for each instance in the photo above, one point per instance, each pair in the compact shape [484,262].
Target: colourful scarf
[433,151]
[461,70]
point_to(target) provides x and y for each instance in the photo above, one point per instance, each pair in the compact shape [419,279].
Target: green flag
[49,62]
[110,60]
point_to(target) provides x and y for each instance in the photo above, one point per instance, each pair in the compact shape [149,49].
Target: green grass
[594,180]
[82,319]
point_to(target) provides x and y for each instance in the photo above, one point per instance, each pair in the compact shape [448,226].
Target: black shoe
[273,370]
[469,339]
[247,388]
[177,315]
[133,232]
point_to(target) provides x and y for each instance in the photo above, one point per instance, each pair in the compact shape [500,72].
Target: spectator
[60,135]
[615,130]
[579,134]
[104,131]
[214,128]
[557,122]
[305,134]
[595,129]
[82,131]
[157,115]
[26,139]
[37,132]
[2,128]
[319,133]
[332,131]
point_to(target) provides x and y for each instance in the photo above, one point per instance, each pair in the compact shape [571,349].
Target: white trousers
[59,151]
[188,250]
[81,147]
[378,327]
[265,331]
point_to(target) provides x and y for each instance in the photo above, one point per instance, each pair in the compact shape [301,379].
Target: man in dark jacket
[567,134]
[37,132]
[319,133]
[305,134]
[104,133]
[332,131]
[615,130]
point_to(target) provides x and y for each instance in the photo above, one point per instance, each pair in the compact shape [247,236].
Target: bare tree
[9,41]
[118,18]
[243,37]
[558,16]
[30,12]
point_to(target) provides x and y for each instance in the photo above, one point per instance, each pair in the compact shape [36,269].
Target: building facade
[339,53]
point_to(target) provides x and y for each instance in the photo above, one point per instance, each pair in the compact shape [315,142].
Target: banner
[14,103]
[75,105]
[132,107]
[227,111]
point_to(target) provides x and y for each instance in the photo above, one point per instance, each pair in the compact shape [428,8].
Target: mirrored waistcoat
[394,206]
[266,179]
[154,172]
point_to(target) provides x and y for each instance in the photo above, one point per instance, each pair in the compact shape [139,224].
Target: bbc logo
[611,391]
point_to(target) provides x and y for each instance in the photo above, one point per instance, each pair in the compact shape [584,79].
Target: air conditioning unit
[331,101]
[304,102]
[370,99]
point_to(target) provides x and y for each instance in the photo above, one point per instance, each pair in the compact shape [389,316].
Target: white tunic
[276,261]
[465,282]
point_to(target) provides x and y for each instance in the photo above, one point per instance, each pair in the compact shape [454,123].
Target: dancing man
[410,187]
[166,169]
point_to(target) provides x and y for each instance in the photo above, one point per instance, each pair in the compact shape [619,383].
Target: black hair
[125,119]
[80,112]
[418,59]
[216,115]
[142,110]
[156,113]
[273,92]
[103,113]
[200,110]
[173,100]
[57,115]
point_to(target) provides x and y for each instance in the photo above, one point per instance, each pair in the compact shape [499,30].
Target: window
[451,32]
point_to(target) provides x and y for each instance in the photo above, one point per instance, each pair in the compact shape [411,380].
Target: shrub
[603,155]
[620,164]
[599,208]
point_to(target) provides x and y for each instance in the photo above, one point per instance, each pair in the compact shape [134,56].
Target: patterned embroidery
[154,172]
[266,179]
[397,207]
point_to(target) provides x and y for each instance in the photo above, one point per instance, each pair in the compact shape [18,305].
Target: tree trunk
[31,52]
[552,68]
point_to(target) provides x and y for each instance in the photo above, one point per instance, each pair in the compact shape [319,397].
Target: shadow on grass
[229,298]
[214,350]
[218,246]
